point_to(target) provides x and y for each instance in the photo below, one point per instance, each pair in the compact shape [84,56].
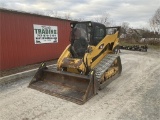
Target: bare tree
[155,21]
[125,27]
[52,13]
[104,19]
[67,16]
[38,12]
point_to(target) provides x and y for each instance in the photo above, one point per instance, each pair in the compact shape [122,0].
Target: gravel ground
[135,95]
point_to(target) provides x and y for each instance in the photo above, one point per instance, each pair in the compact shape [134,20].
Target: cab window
[99,34]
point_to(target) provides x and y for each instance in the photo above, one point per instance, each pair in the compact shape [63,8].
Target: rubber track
[104,64]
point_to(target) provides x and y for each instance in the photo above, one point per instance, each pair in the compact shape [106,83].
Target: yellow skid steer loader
[88,64]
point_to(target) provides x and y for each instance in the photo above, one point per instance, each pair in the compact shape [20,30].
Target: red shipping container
[17,47]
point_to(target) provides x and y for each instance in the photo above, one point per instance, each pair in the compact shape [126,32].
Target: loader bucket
[69,86]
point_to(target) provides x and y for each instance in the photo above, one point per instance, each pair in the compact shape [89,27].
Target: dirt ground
[135,95]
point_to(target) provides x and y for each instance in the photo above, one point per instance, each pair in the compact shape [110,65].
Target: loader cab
[84,34]
[80,38]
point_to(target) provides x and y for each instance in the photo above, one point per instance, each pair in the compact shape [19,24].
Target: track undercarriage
[108,69]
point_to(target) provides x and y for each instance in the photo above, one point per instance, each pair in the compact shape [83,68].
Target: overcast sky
[136,12]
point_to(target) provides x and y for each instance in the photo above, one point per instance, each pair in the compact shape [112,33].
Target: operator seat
[80,44]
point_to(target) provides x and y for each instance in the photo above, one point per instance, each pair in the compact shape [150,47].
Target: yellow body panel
[66,53]
[91,58]
[96,50]
[71,64]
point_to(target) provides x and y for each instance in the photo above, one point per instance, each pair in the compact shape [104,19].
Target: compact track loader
[88,64]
